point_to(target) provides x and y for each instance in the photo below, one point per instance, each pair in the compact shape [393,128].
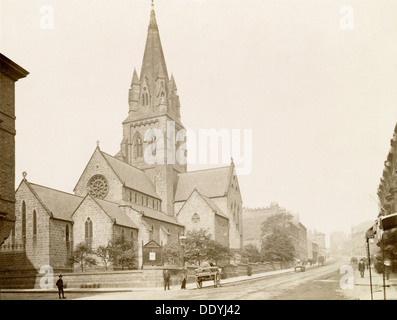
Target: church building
[126,195]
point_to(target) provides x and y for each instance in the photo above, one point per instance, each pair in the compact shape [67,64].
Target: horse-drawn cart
[208,274]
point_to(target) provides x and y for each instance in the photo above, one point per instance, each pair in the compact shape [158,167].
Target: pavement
[189,286]
[362,287]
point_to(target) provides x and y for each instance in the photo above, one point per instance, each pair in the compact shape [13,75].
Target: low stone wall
[150,277]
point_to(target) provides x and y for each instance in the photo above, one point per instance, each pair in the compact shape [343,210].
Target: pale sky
[321,100]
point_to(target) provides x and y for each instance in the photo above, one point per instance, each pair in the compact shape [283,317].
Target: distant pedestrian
[184,278]
[361,268]
[59,284]
[166,276]
[387,268]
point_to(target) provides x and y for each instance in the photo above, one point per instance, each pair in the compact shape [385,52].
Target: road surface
[318,282]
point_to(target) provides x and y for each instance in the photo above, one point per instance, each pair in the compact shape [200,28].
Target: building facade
[319,239]
[143,193]
[387,195]
[10,72]
[358,241]
[252,222]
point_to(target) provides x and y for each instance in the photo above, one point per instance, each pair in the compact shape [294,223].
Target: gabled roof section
[115,213]
[154,214]
[131,176]
[209,182]
[218,211]
[59,204]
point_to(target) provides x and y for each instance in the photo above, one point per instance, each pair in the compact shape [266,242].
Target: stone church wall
[205,216]
[60,248]
[101,223]
[7,154]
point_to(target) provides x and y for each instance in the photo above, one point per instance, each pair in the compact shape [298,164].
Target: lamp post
[182,239]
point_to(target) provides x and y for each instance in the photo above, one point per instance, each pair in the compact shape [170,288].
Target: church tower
[153,106]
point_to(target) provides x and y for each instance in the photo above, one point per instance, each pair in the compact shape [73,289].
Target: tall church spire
[153,58]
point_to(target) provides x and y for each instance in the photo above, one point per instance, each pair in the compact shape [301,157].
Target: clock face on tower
[98,186]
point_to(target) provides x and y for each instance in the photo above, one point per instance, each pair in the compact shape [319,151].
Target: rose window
[98,187]
[195,218]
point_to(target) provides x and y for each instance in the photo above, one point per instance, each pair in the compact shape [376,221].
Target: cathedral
[124,195]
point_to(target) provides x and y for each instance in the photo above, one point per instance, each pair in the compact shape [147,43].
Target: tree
[103,252]
[172,254]
[251,253]
[82,255]
[123,253]
[200,246]
[217,252]
[277,241]
[196,246]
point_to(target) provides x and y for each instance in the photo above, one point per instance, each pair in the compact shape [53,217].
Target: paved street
[316,283]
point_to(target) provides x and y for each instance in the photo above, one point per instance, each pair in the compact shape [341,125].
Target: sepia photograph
[198,150]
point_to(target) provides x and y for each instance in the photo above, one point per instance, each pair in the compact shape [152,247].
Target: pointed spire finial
[152,3]
[135,79]
[97,143]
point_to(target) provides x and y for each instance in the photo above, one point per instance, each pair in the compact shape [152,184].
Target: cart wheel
[199,284]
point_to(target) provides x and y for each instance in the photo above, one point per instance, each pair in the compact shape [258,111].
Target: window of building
[23,220]
[34,223]
[13,236]
[88,232]
[195,218]
[145,98]
[138,146]
[122,235]
[147,204]
[136,197]
[67,233]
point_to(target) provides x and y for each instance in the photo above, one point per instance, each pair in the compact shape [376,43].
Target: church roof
[218,211]
[131,176]
[154,214]
[60,204]
[114,212]
[210,183]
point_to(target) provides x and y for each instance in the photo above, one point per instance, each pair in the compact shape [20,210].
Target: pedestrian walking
[361,267]
[166,276]
[387,268]
[184,278]
[59,284]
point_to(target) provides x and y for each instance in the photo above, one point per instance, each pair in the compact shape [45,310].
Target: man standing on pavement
[184,278]
[361,268]
[59,284]
[166,276]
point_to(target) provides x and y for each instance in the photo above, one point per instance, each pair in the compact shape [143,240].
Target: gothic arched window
[23,220]
[34,223]
[67,233]
[138,145]
[145,97]
[88,232]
